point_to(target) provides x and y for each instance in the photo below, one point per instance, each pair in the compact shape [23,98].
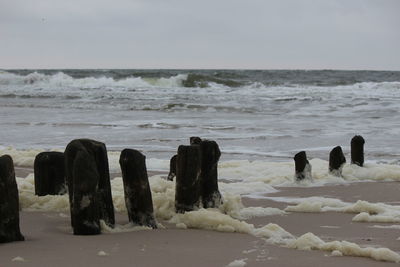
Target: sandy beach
[49,239]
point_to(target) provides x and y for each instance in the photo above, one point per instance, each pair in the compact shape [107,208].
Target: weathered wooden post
[49,174]
[137,191]
[302,166]
[188,170]
[357,150]
[336,161]
[210,195]
[88,179]
[9,202]
[172,168]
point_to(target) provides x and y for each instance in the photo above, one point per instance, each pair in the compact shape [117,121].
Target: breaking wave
[61,80]
[85,80]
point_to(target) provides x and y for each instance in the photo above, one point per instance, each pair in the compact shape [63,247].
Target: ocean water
[254,115]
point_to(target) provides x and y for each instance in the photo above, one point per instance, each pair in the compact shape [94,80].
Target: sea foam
[366,211]
[258,175]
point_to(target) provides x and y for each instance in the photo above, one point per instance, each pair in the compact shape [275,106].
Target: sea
[265,115]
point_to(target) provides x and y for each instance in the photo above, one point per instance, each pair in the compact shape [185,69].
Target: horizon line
[220,69]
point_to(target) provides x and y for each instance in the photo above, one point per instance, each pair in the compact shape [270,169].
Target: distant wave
[200,80]
[100,80]
[61,79]
[12,95]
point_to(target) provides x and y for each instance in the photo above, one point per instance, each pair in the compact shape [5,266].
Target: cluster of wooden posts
[336,159]
[83,171]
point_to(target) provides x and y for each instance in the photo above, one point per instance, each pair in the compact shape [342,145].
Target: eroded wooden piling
[138,200]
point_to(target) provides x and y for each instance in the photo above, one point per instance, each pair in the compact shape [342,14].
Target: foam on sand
[28,201]
[310,241]
[237,263]
[102,253]
[366,211]
[212,219]
[315,204]
[252,212]
[274,234]
[19,259]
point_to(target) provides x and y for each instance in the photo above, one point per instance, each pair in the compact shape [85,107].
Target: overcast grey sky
[257,34]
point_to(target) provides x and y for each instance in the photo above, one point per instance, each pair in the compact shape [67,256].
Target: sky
[200,34]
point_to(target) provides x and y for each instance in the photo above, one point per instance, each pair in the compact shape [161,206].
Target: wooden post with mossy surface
[138,200]
[9,202]
[89,187]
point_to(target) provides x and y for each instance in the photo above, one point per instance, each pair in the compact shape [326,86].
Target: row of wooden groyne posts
[83,171]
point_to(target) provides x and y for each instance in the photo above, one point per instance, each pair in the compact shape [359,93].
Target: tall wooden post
[188,170]
[357,150]
[89,186]
[138,200]
[9,202]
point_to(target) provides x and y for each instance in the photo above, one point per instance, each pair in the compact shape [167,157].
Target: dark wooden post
[9,202]
[137,191]
[172,168]
[49,174]
[210,195]
[88,179]
[357,150]
[302,166]
[336,161]
[188,169]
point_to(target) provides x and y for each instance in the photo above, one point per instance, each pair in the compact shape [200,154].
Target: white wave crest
[62,80]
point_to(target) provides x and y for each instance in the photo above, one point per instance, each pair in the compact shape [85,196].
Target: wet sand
[49,241]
